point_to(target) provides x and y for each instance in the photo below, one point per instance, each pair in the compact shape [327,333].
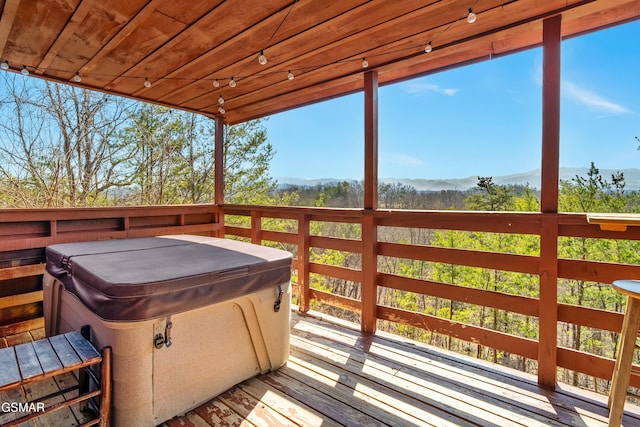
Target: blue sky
[483,119]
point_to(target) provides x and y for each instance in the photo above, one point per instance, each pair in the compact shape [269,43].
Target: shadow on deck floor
[337,376]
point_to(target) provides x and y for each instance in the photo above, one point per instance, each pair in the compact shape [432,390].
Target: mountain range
[532,178]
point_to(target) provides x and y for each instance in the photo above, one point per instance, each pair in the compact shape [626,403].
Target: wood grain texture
[338,376]
[182,47]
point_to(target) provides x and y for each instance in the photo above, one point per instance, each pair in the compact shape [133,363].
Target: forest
[591,193]
[65,147]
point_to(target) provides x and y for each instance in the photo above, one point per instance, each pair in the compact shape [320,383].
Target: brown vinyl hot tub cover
[146,278]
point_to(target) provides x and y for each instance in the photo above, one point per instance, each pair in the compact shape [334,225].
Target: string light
[471,17]
[262,59]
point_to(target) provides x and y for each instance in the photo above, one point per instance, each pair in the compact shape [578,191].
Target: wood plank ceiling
[182,47]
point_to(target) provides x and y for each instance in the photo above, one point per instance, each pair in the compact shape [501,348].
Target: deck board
[338,376]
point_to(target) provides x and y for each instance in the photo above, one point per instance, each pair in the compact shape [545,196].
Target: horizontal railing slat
[492,260]
[483,336]
[513,303]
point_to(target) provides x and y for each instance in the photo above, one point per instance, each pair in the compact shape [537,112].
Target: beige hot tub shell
[212,349]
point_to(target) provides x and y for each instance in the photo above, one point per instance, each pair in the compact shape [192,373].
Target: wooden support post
[256,227]
[369,272]
[303,263]
[548,306]
[219,172]
[371,140]
[369,299]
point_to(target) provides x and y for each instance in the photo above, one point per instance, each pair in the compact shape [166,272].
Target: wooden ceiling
[183,46]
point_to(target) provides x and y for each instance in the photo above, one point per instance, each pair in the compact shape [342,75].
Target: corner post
[369,227]
[548,305]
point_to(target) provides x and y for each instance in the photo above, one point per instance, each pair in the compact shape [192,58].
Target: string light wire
[468,15]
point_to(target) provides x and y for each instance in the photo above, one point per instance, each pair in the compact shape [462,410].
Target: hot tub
[187,317]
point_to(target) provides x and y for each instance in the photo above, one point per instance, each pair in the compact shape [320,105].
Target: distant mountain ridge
[532,178]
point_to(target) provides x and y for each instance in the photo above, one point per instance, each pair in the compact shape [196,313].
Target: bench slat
[28,361]
[9,374]
[47,356]
[65,352]
[83,348]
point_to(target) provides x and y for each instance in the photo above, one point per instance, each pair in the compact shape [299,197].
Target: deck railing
[25,233]
[544,226]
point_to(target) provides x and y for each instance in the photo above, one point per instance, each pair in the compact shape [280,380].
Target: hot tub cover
[146,278]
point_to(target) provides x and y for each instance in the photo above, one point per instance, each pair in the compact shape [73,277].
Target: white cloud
[591,99]
[401,159]
[419,88]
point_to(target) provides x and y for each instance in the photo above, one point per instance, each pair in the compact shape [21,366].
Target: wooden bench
[50,357]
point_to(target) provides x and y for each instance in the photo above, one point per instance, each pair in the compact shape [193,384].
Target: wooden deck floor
[337,376]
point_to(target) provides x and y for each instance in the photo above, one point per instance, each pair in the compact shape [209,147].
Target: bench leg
[105,386]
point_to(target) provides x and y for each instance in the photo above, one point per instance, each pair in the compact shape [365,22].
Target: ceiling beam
[8,16]
[74,22]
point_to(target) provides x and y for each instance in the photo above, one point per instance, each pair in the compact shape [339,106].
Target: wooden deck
[337,376]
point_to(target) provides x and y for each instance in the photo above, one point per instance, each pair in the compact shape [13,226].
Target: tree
[247,155]
[174,157]
[65,146]
[61,145]
[490,196]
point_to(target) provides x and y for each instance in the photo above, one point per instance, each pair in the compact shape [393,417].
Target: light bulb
[77,78]
[221,109]
[216,83]
[147,83]
[232,82]
[24,71]
[428,48]
[290,75]
[221,100]
[365,63]
[262,59]
[471,17]
[5,65]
